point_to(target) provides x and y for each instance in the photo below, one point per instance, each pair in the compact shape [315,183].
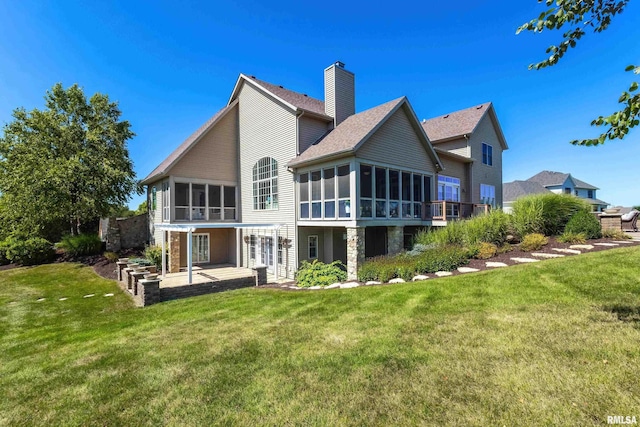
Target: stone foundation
[395,240]
[355,251]
[174,252]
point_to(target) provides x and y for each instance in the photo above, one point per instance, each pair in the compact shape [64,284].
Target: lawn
[551,343]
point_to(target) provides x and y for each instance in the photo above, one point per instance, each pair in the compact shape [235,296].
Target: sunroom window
[204,202]
[392,193]
[325,193]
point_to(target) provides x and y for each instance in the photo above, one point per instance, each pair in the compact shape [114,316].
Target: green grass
[553,343]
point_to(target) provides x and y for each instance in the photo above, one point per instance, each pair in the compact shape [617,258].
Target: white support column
[164,256]
[238,248]
[274,253]
[190,255]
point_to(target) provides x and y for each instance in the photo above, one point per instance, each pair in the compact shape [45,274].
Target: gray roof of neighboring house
[512,190]
[186,145]
[454,124]
[596,202]
[348,136]
[549,178]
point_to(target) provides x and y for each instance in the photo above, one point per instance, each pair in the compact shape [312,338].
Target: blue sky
[171,65]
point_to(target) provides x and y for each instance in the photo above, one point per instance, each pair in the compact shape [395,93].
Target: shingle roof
[348,134]
[512,190]
[548,178]
[296,100]
[596,202]
[186,145]
[454,124]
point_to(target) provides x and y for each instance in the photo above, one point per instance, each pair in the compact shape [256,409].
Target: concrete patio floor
[211,273]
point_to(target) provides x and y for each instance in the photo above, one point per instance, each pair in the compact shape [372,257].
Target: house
[555,182]
[277,177]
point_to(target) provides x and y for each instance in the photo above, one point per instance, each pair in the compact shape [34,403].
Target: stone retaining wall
[124,233]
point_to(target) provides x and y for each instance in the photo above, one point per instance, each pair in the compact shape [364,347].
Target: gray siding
[396,142]
[155,215]
[310,130]
[215,155]
[458,170]
[483,174]
[457,146]
[339,93]
[267,129]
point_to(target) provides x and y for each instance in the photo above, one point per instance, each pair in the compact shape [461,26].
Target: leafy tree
[142,208]
[68,162]
[579,16]
[121,212]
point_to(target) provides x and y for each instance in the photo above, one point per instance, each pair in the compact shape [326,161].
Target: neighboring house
[555,182]
[277,177]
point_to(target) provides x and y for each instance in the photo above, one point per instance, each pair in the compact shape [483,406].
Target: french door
[266,252]
[200,248]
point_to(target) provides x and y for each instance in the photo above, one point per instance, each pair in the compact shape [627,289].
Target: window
[366,191]
[200,248]
[488,194]
[304,195]
[252,247]
[575,192]
[153,198]
[280,250]
[344,192]
[392,193]
[487,154]
[317,192]
[448,188]
[265,184]
[201,202]
[567,191]
[313,247]
[166,198]
[182,201]
[590,194]
[329,193]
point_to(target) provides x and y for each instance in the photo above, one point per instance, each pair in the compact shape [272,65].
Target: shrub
[546,214]
[573,238]
[143,262]
[586,223]
[111,256]
[318,273]
[31,251]
[533,242]
[3,253]
[82,244]
[506,247]
[612,233]
[441,259]
[154,254]
[490,228]
[382,268]
[486,250]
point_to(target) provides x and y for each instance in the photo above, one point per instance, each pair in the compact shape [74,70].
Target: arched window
[265,184]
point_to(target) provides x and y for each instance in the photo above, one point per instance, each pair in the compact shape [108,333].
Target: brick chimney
[339,92]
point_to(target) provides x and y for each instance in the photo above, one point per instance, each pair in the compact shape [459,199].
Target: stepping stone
[443,273]
[524,260]
[419,277]
[606,244]
[40,299]
[333,286]
[496,264]
[543,255]
[626,242]
[372,282]
[313,288]
[467,270]
[397,280]
[567,251]
[89,296]
[282,286]
[349,285]
[586,247]
[63,299]
[108,295]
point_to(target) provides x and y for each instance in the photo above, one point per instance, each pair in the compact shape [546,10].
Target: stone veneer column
[174,252]
[395,240]
[355,251]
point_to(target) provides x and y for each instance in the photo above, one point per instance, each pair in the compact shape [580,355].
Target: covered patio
[188,277]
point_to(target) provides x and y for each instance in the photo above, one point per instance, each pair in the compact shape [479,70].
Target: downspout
[295,199]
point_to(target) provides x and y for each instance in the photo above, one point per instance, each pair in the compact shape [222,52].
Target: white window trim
[336,199]
[207,207]
[489,149]
[197,235]
[483,194]
[255,186]
[309,239]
